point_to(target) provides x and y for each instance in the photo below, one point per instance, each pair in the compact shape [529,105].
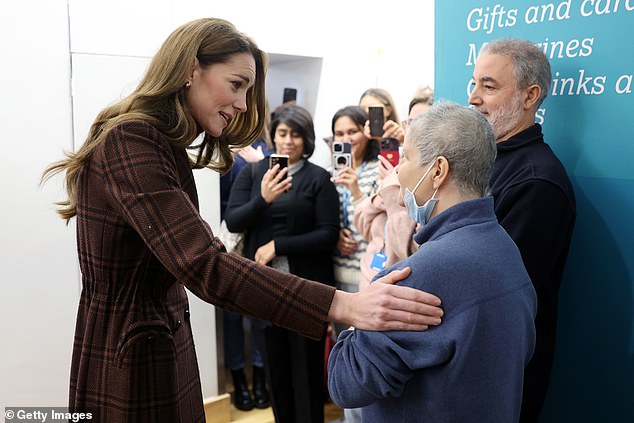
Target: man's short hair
[531,66]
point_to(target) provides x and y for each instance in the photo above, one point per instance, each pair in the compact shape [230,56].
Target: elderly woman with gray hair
[470,368]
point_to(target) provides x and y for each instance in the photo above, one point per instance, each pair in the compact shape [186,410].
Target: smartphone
[281,159]
[376,120]
[341,156]
[389,150]
[290,94]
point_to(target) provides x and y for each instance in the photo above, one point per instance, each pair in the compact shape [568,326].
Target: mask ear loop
[422,178]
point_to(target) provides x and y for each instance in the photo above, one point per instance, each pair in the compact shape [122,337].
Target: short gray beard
[505,119]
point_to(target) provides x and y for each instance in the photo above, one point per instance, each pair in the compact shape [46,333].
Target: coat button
[187,315]
[150,339]
[177,325]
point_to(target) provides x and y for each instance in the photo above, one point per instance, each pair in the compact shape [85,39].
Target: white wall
[363,44]
[38,265]
[299,72]
[108,45]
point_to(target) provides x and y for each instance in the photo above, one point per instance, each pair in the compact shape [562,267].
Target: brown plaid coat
[141,240]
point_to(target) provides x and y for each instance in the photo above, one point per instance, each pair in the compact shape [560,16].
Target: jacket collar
[527,136]
[462,214]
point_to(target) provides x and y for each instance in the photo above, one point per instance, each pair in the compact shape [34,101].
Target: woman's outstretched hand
[385,306]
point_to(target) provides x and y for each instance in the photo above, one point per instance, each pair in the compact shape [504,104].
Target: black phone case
[376,121]
[275,159]
[290,94]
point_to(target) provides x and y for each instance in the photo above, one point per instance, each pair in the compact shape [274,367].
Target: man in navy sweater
[471,367]
[534,200]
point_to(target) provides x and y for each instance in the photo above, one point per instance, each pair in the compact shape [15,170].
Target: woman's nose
[241,104]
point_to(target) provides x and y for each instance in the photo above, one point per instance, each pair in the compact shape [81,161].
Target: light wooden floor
[253,416]
[332,413]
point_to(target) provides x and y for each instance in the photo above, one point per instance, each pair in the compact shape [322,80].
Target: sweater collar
[296,167]
[462,214]
[527,136]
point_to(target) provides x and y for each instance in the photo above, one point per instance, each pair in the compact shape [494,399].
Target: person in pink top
[381,220]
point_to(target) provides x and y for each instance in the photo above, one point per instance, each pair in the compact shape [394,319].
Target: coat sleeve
[143,185]
[366,366]
[365,212]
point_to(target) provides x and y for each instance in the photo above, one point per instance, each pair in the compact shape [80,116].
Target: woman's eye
[237,84]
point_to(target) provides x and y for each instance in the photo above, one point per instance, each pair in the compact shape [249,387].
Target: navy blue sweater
[468,369]
[535,203]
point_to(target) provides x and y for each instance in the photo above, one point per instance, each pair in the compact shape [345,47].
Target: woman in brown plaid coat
[141,239]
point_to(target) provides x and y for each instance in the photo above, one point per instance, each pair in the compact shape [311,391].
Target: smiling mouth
[226,117]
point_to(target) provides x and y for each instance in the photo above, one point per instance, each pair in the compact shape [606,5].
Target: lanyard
[346,199]
[384,236]
[379,259]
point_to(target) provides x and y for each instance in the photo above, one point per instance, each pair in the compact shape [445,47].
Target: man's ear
[531,96]
[440,172]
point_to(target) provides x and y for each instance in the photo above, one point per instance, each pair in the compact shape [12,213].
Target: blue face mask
[420,214]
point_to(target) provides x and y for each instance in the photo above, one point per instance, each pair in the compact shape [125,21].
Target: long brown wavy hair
[160,99]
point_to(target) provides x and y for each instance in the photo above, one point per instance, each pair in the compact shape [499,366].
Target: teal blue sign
[588,120]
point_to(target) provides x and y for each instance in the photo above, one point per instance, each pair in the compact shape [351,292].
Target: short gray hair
[531,66]
[463,136]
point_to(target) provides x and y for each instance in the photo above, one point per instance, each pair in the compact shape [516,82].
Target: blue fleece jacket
[468,369]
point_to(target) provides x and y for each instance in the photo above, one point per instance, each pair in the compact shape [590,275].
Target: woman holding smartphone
[391,126]
[290,216]
[354,184]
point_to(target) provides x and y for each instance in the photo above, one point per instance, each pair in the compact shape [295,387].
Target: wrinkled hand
[346,243]
[349,178]
[390,180]
[384,306]
[385,167]
[250,154]
[265,253]
[391,129]
[275,183]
